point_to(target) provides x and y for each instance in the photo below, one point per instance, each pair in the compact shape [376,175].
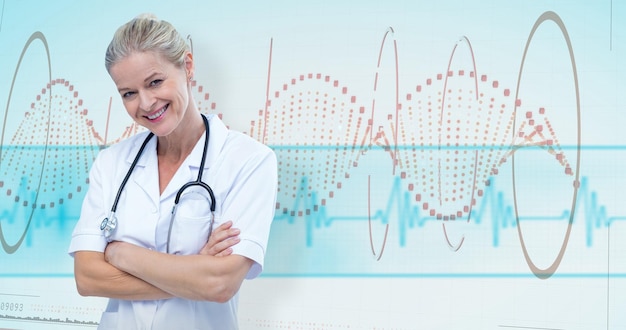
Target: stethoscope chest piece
[108,224]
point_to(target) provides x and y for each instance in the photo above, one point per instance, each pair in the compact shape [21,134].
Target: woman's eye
[128,94]
[156,82]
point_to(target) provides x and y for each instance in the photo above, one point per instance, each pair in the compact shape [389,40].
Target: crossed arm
[127,271]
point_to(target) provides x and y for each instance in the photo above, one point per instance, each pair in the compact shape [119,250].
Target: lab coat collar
[188,170]
[217,138]
[146,174]
[146,171]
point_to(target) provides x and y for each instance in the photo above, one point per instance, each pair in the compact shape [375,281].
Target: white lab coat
[243,175]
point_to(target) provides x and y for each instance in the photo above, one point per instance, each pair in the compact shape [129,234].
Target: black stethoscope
[109,223]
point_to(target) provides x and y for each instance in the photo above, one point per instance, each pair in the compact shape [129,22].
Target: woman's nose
[146,101]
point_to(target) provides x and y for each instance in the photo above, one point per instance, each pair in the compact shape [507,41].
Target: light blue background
[319,266]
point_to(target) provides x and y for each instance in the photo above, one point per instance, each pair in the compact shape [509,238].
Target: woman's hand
[221,240]
[110,251]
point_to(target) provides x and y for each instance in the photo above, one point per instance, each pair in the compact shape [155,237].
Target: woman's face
[154,91]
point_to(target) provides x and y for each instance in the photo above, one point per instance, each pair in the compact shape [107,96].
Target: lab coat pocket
[191,224]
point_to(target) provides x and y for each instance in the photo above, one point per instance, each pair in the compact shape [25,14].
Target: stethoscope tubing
[109,224]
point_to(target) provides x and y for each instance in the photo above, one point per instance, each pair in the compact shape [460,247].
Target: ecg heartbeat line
[444,139]
[492,207]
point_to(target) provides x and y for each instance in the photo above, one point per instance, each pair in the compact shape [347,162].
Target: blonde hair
[146,33]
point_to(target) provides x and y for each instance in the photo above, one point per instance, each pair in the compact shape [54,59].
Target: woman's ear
[189,66]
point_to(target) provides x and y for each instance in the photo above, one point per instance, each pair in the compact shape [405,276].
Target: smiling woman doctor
[164,267]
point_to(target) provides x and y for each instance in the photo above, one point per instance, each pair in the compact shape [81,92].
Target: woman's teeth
[158,114]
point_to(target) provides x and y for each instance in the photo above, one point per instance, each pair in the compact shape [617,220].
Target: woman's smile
[157,115]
